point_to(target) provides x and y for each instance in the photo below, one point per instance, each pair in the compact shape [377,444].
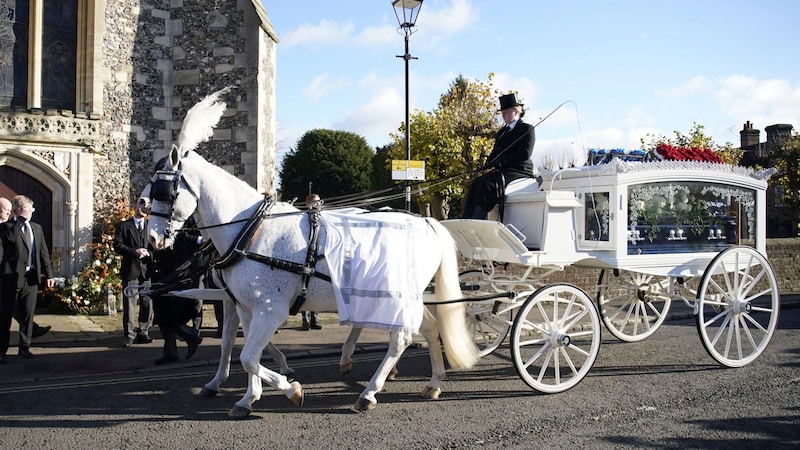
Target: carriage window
[686,217]
[596,219]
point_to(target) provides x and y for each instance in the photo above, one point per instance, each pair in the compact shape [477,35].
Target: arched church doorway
[14,182]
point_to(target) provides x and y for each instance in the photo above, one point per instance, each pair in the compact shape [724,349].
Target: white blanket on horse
[371,257]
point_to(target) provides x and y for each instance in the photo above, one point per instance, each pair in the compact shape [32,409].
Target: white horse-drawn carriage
[657,232]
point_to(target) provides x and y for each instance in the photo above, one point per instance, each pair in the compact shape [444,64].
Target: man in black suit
[510,159]
[25,258]
[131,243]
[5,216]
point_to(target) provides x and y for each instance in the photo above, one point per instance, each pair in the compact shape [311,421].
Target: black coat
[14,253]
[169,311]
[512,152]
[126,241]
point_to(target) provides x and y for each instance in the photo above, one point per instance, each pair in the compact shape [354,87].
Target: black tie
[503,131]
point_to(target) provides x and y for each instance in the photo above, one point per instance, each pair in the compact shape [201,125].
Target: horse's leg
[398,342]
[348,348]
[278,356]
[430,331]
[230,326]
[262,328]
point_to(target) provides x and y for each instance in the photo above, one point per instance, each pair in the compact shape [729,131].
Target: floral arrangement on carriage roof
[85,292]
[670,152]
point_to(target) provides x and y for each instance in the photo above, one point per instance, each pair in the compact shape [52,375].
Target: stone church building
[93,92]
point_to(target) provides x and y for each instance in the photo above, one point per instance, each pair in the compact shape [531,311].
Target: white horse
[191,185]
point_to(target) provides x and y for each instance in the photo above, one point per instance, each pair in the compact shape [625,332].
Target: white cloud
[526,89]
[763,102]
[691,87]
[451,19]
[373,120]
[376,35]
[324,33]
[322,86]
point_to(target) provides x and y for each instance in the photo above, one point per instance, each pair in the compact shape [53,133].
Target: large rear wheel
[738,305]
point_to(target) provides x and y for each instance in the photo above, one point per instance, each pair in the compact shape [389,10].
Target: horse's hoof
[430,393]
[392,374]
[345,369]
[237,412]
[208,393]
[364,405]
[298,396]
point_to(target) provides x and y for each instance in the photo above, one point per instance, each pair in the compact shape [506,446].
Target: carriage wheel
[632,305]
[487,328]
[738,305]
[555,338]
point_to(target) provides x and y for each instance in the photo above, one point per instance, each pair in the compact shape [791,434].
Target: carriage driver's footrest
[487,240]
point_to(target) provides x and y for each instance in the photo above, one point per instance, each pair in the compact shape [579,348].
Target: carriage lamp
[407,12]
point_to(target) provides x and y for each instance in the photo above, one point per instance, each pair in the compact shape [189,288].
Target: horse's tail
[458,346]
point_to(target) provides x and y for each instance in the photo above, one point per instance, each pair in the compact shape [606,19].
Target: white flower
[96,263]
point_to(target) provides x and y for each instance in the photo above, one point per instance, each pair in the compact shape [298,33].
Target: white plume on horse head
[198,125]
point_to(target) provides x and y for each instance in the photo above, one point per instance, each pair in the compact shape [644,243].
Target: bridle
[164,187]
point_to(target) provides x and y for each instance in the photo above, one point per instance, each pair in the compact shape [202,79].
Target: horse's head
[173,201]
[170,198]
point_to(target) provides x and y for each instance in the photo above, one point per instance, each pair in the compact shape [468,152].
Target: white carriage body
[665,218]
[670,230]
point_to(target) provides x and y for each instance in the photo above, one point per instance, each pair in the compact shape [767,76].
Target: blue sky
[630,67]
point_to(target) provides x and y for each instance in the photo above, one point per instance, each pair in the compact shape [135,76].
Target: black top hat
[509,101]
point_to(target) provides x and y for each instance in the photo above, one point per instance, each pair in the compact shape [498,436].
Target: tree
[382,177]
[330,163]
[787,161]
[453,140]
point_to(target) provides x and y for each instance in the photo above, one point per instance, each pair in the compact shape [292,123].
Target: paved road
[665,392]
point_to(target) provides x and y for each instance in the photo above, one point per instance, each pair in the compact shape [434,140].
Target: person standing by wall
[24,260]
[510,159]
[131,243]
[5,216]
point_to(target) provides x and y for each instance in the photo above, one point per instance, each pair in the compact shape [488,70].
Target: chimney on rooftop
[749,136]
[777,134]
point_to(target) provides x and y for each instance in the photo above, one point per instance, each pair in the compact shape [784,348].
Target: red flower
[672,153]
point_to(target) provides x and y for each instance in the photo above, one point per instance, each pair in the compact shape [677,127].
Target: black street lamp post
[407,12]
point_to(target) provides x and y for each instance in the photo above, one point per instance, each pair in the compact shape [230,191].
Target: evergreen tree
[328,162]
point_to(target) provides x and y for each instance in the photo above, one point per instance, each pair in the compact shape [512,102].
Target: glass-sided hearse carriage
[656,231]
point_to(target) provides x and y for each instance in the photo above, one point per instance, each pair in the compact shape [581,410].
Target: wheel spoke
[572,368]
[579,350]
[743,320]
[725,320]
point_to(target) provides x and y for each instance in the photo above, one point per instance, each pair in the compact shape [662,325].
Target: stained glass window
[59,42]
[13,53]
